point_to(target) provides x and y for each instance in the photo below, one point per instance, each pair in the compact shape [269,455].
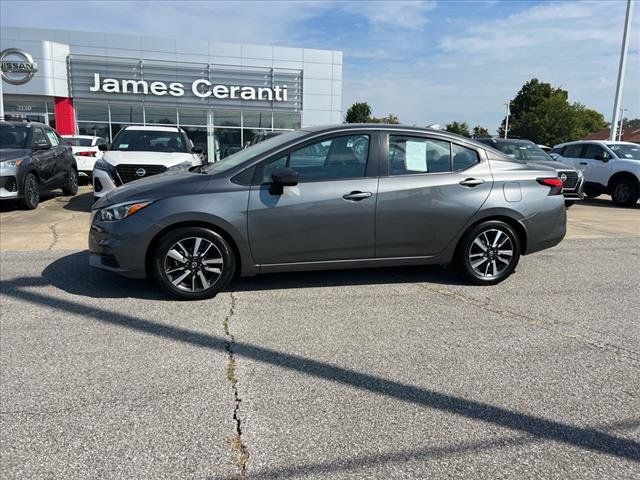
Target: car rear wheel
[70,188]
[193,263]
[30,192]
[624,192]
[489,253]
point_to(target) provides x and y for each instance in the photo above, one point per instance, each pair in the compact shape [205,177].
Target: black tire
[192,287]
[470,253]
[70,188]
[30,192]
[592,193]
[624,192]
[569,203]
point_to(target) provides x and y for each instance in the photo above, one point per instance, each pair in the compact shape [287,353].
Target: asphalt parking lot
[389,373]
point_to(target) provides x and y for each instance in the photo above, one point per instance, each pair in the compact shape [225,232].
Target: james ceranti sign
[17,66]
[187,84]
[201,88]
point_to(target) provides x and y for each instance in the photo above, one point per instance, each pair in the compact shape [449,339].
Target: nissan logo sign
[141,172]
[17,66]
[563,177]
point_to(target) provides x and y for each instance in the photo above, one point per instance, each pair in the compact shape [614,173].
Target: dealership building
[221,94]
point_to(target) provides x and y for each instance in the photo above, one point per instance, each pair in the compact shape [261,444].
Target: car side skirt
[346,264]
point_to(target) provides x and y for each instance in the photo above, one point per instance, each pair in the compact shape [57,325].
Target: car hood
[556,165]
[115,157]
[13,153]
[156,187]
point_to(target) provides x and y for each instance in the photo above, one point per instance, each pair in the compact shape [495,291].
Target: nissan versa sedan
[333,197]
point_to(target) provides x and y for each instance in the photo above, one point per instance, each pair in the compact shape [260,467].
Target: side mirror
[197,150]
[103,147]
[285,177]
[41,146]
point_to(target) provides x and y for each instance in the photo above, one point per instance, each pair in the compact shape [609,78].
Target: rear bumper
[548,227]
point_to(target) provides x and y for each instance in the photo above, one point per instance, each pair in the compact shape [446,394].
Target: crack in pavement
[54,231]
[488,306]
[238,446]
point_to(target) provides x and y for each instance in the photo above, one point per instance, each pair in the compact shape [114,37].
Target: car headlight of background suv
[180,166]
[120,211]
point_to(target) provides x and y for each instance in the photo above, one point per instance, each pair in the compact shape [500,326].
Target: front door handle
[357,196]
[583,163]
[471,182]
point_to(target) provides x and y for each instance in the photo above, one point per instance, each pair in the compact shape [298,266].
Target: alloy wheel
[193,264]
[622,192]
[491,253]
[31,190]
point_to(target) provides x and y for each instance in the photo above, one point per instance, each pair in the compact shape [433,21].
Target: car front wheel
[30,192]
[193,263]
[489,253]
[624,192]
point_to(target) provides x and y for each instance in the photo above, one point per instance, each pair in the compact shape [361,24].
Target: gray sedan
[345,196]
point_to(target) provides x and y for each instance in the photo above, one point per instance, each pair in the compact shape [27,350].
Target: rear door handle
[583,163]
[356,196]
[471,182]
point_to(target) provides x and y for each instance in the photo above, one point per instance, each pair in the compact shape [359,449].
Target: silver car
[336,197]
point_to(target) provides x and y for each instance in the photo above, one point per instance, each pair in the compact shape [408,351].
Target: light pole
[621,70]
[622,110]
[506,123]
[1,101]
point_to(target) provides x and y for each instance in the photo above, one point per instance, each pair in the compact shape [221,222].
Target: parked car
[259,137]
[527,151]
[138,152]
[544,148]
[608,167]
[33,158]
[86,152]
[343,196]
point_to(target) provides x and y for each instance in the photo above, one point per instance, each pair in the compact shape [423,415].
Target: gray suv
[334,197]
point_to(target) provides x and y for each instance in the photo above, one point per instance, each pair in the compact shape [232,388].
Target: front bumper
[103,182]
[8,182]
[121,246]
[575,193]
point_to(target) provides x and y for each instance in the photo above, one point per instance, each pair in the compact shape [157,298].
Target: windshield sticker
[123,146]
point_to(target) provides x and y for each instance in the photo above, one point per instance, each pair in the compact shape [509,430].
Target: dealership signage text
[201,88]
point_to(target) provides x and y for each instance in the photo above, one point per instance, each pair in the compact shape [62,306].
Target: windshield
[251,152]
[78,142]
[149,141]
[627,151]
[13,136]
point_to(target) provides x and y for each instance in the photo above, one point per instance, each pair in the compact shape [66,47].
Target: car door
[432,188]
[62,161]
[328,215]
[44,158]
[572,155]
[596,164]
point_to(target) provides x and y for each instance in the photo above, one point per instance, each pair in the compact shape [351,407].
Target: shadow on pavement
[80,203]
[73,274]
[588,438]
[605,203]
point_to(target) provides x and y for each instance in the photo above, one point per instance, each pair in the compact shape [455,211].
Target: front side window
[39,138]
[331,159]
[592,151]
[53,138]
[413,155]
[149,141]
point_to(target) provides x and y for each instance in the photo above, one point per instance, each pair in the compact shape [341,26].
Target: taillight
[553,182]
[89,153]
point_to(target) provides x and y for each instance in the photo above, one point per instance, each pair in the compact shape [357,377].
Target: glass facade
[32,108]
[223,131]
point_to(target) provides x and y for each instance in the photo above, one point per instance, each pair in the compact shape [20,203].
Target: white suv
[137,152]
[608,167]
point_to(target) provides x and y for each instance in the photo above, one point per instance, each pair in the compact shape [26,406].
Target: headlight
[100,165]
[120,211]
[12,163]
[180,166]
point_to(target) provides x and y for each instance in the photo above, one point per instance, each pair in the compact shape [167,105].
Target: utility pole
[506,123]
[622,110]
[621,70]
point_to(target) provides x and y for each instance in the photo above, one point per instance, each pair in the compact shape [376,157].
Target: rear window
[149,141]
[13,136]
[78,142]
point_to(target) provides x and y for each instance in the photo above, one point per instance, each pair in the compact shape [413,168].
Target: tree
[480,132]
[633,123]
[390,119]
[543,114]
[461,128]
[358,113]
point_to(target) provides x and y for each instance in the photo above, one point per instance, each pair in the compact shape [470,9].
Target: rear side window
[415,155]
[572,151]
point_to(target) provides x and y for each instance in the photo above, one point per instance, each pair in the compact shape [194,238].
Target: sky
[426,62]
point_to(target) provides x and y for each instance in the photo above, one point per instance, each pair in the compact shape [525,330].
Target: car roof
[152,129]
[79,136]
[504,140]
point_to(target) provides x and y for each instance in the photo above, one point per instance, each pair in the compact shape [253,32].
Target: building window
[226,118]
[289,121]
[162,115]
[126,113]
[192,116]
[94,112]
[256,119]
